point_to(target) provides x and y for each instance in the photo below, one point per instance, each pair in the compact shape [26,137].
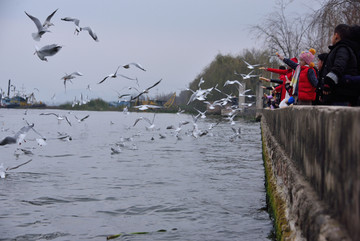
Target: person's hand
[279,56]
[265,79]
[263,87]
[262,68]
[329,86]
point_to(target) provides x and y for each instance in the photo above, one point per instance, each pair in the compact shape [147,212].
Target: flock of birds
[197,95]
[52,49]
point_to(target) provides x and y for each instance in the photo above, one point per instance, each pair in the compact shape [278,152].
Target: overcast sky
[174,40]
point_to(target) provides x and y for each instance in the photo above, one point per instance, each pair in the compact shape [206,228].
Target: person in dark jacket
[340,61]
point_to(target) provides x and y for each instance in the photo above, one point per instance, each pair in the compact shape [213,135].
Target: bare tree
[282,33]
[330,14]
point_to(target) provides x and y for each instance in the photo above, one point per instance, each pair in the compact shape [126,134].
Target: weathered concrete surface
[314,154]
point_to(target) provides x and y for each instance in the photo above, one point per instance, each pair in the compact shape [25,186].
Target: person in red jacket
[304,80]
[285,74]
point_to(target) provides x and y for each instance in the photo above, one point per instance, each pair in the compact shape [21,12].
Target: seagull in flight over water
[146,90]
[69,77]
[59,117]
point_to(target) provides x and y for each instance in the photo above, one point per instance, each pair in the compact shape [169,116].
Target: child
[304,79]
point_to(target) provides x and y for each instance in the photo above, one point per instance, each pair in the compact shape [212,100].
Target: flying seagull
[126,66]
[18,137]
[146,90]
[42,28]
[47,50]
[59,117]
[69,77]
[251,66]
[3,170]
[91,33]
[114,75]
[82,119]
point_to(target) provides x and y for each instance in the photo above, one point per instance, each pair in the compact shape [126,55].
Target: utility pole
[9,88]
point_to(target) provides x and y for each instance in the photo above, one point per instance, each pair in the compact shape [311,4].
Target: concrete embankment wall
[312,164]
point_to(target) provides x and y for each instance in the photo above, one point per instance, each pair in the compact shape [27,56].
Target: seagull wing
[104,79]
[247,63]
[67,120]
[82,119]
[76,73]
[50,114]
[153,85]
[36,21]
[75,20]
[20,135]
[12,168]
[126,77]
[47,21]
[137,120]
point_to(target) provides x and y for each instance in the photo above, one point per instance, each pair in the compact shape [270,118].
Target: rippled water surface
[205,188]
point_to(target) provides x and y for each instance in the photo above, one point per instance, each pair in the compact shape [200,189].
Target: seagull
[146,90]
[59,117]
[212,106]
[3,170]
[47,50]
[76,22]
[126,66]
[145,107]
[180,111]
[18,137]
[152,125]
[201,81]
[201,114]
[249,75]
[114,75]
[199,94]
[237,133]
[115,151]
[41,28]
[69,77]
[91,33]
[231,82]
[82,119]
[64,136]
[251,66]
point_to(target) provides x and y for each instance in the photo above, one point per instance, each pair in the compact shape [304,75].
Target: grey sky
[173,40]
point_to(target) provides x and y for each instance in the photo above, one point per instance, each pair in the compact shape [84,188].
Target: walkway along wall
[312,164]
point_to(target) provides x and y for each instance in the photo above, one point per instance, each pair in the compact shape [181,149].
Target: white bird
[126,66]
[40,27]
[251,66]
[213,105]
[91,33]
[237,133]
[199,94]
[180,111]
[201,114]
[115,151]
[81,119]
[18,137]
[69,77]
[47,50]
[249,75]
[152,125]
[145,107]
[59,117]
[3,170]
[145,91]
[231,82]
[201,81]
[114,75]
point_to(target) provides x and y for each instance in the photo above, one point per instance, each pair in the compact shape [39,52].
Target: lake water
[204,188]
